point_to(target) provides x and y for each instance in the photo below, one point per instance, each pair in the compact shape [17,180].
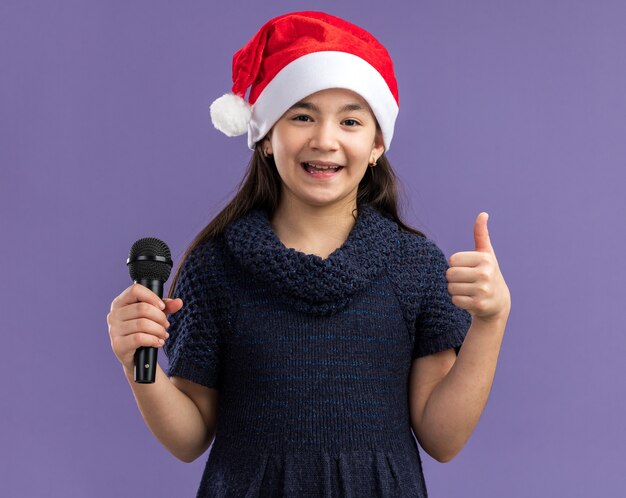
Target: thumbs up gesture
[474,279]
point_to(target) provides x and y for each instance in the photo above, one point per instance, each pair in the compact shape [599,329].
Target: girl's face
[333,127]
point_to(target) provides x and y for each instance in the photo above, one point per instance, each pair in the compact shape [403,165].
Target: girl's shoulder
[419,253]
[205,262]
[413,242]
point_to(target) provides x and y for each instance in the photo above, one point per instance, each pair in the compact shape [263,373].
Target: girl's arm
[447,394]
[447,397]
[180,414]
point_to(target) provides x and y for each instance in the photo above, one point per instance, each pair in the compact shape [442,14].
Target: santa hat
[295,55]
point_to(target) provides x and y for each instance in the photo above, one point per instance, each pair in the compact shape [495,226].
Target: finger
[142,310]
[141,326]
[461,274]
[137,293]
[172,305]
[466,259]
[465,302]
[132,342]
[481,234]
[462,289]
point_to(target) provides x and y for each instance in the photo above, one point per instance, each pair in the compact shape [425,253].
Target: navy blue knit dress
[312,356]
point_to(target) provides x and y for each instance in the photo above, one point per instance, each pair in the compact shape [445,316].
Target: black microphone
[149,264]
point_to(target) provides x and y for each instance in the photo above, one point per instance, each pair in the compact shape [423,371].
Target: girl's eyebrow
[312,107]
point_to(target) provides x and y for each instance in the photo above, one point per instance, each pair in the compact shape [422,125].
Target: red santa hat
[295,55]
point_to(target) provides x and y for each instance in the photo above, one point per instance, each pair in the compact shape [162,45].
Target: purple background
[515,108]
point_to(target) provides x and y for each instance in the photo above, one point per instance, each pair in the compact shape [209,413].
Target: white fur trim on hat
[230,114]
[318,71]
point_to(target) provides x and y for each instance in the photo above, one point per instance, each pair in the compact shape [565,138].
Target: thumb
[172,305]
[481,234]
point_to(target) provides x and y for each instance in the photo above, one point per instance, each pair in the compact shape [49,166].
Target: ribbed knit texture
[311,357]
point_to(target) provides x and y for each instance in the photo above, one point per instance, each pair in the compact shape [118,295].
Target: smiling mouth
[315,169]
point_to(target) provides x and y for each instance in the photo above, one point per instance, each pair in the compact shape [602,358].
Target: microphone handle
[146,357]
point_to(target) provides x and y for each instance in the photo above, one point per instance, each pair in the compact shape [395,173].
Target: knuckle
[482,305]
[145,308]
[113,331]
[488,262]
[143,324]
[135,289]
[116,343]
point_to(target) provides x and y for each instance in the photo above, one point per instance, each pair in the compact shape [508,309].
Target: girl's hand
[474,279]
[136,320]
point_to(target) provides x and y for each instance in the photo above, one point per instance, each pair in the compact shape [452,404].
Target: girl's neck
[313,229]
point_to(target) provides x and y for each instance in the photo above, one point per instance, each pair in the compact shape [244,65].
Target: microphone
[149,264]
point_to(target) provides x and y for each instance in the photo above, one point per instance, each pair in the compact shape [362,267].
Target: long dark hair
[261,188]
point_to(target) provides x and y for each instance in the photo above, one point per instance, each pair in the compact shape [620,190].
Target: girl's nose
[324,137]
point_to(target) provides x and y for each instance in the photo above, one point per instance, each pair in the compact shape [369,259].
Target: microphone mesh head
[146,269]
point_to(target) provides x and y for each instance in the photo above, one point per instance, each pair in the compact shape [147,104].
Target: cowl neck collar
[306,281]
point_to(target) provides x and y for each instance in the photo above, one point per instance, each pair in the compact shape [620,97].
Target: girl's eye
[304,118]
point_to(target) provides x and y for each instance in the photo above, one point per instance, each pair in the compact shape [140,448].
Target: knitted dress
[312,356]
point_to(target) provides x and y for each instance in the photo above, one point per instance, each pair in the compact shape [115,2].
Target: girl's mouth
[320,171]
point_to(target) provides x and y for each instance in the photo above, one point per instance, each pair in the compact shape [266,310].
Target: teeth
[314,166]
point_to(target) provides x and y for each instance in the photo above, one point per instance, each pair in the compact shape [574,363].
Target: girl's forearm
[172,416]
[456,404]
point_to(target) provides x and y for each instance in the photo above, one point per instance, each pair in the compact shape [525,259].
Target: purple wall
[515,108]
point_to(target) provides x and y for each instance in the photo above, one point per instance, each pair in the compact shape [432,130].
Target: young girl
[313,334]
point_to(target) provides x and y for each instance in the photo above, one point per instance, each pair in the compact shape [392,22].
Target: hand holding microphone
[137,321]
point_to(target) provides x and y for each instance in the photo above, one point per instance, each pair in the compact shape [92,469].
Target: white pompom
[231,114]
